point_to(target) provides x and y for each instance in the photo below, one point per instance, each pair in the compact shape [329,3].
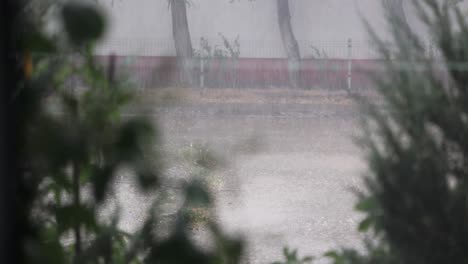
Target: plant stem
[76,202]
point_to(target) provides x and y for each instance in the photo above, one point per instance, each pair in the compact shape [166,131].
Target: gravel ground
[292,189]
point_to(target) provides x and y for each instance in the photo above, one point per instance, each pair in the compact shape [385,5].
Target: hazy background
[143,27]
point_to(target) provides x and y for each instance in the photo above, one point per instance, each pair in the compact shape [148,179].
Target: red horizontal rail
[245,72]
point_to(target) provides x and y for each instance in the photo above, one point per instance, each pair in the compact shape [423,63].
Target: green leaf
[285,251]
[231,249]
[83,22]
[131,137]
[332,254]
[366,204]
[365,224]
[35,41]
[147,178]
[53,252]
[197,194]
[70,215]
[101,177]
[62,74]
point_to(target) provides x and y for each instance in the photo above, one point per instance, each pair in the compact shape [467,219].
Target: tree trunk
[182,41]
[289,41]
[396,10]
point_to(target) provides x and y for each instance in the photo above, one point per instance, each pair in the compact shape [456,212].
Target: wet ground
[290,174]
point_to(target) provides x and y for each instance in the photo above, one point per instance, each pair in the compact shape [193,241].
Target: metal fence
[338,66]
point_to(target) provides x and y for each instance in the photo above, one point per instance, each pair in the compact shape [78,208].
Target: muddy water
[289,177]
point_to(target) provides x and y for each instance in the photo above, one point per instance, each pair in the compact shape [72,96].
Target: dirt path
[294,190]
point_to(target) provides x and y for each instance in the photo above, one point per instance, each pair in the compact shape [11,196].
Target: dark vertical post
[350,64]
[111,68]
[4,224]
[11,211]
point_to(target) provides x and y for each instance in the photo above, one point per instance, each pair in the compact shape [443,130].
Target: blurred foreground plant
[77,143]
[291,257]
[415,197]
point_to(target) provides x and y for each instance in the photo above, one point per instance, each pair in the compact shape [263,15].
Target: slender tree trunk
[396,12]
[289,41]
[182,41]
[395,9]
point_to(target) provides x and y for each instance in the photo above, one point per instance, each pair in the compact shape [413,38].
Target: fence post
[202,73]
[431,51]
[350,63]
[111,68]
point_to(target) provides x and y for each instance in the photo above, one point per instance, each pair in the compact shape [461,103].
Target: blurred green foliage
[78,142]
[291,257]
[415,198]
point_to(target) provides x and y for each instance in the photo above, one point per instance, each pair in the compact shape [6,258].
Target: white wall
[143,27]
